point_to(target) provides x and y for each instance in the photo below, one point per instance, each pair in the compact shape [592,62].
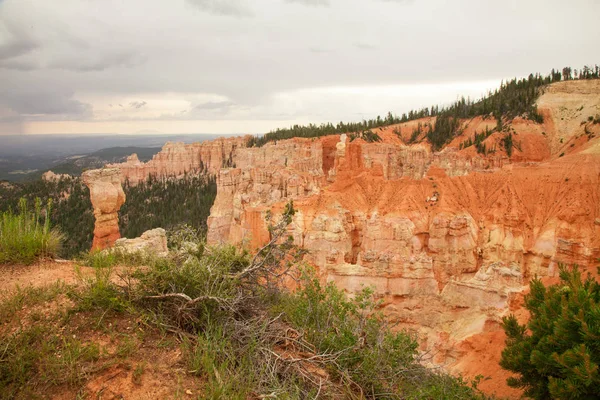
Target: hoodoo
[107,196]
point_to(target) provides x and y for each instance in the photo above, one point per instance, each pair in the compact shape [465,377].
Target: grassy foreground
[236,332]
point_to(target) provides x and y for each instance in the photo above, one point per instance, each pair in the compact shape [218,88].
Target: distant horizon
[127,134]
[255,66]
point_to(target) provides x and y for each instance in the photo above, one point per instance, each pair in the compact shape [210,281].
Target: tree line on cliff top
[154,203]
[513,98]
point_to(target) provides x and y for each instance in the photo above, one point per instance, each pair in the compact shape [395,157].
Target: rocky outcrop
[107,196]
[153,241]
[177,159]
[448,239]
[52,177]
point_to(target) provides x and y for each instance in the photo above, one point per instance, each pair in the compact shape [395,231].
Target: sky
[249,66]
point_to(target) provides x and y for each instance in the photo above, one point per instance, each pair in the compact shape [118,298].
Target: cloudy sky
[237,66]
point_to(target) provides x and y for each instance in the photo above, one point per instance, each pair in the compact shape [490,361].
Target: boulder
[153,241]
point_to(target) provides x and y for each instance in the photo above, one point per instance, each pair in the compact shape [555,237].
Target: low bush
[24,238]
[368,354]
[247,336]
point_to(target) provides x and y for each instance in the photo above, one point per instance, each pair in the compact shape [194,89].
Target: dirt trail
[37,275]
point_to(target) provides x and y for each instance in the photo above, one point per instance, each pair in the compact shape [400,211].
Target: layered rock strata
[107,197]
[449,239]
[176,159]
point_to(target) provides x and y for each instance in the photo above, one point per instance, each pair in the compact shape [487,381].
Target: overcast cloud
[253,65]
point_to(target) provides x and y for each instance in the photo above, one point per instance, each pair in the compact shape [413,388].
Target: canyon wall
[448,239]
[176,159]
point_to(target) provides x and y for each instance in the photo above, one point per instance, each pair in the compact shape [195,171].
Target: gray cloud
[186,51]
[103,62]
[47,106]
[16,47]
[214,105]
[324,3]
[16,42]
[18,65]
[137,104]
[231,8]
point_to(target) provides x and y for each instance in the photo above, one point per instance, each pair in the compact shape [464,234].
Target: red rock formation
[175,159]
[448,239]
[107,197]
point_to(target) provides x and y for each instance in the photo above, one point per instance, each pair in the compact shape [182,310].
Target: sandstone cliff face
[448,239]
[107,196]
[176,159]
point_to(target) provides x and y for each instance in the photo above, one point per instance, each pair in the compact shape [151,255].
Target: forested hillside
[72,211]
[167,203]
[514,98]
[155,203]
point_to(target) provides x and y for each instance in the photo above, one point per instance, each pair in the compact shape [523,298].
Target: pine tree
[558,352]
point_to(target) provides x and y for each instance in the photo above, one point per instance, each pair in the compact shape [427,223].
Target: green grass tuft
[24,238]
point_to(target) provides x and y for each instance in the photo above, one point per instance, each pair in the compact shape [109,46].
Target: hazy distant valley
[27,157]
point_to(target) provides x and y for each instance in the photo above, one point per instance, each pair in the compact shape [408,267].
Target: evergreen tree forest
[514,98]
[167,203]
[163,203]
[72,212]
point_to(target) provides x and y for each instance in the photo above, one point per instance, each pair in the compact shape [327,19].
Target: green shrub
[99,291]
[508,144]
[23,236]
[99,259]
[384,363]
[115,256]
[71,212]
[557,353]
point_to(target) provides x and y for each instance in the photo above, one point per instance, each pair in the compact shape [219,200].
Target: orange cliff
[176,159]
[107,197]
[448,239]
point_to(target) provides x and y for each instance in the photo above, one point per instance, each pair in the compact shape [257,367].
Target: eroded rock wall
[448,239]
[176,159]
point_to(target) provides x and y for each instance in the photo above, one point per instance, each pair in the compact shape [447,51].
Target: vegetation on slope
[155,203]
[25,236]
[167,203]
[71,213]
[240,332]
[514,98]
[557,353]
